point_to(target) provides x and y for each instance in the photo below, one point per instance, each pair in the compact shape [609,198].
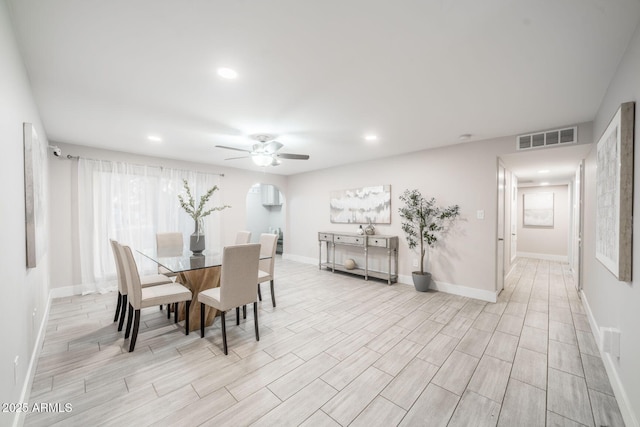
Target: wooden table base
[196,281]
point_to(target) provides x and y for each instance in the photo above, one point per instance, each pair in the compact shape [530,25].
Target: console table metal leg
[333,262]
[366,263]
[389,267]
[396,256]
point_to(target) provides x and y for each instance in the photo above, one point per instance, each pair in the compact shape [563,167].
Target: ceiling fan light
[262,159]
[227,73]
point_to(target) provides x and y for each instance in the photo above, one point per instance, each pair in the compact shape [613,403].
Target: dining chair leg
[123,312]
[273,294]
[175,312]
[237,315]
[201,320]
[255,319]
[115,318]
[134,334]
[186,316]
[129,320]
[244,311]
[168,311]
[259,293]
[224,333]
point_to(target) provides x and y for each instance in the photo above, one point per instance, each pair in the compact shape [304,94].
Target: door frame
[578,215]
[500,225]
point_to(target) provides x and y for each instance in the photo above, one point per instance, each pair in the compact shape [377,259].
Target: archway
[265,212]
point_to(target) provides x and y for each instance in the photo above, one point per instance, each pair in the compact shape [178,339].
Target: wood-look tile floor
[337,350]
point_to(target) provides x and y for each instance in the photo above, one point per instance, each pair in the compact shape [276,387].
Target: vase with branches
[198,213]
[423,223]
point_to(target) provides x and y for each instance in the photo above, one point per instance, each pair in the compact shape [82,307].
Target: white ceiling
[320,74]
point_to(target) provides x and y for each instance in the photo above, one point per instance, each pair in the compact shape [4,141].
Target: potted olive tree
[423,222]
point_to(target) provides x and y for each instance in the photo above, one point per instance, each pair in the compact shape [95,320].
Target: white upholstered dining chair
[139,297]
[243,237]
[168,244]
[237,286]
[268,244]
[123,291]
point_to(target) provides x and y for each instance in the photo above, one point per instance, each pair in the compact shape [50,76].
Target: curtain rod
[70,157]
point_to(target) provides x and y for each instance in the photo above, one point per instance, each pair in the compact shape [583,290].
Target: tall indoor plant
[198,213]
[423,222]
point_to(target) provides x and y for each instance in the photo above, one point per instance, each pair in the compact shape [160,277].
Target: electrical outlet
[415,262]
[15,370]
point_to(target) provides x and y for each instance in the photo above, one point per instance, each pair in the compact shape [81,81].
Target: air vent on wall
[549,138]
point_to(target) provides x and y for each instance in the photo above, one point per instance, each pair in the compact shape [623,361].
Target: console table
[371,246]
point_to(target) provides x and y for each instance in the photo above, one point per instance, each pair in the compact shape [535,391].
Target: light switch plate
[480,214]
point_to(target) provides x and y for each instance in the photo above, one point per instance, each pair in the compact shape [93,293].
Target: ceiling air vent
[549,138]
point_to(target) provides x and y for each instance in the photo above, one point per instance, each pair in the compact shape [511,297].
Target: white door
[514,217]
[576,263]
[500,243]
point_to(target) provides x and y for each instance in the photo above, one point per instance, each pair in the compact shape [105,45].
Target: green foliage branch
[423,221]
[199,212]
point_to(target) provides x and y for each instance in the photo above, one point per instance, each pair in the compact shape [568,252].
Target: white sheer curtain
[131,203]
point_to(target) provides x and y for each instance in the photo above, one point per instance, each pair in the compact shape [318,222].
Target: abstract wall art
[538,210]
[361,205]
[614,191]
[35,158]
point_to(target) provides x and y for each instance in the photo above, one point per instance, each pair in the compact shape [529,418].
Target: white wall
[613,303]
[463,174]
[65,272]
[546,242]
[23,290]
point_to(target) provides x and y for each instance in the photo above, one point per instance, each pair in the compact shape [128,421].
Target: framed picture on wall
[361,205]
[35,157]
[614,193]
[538,209]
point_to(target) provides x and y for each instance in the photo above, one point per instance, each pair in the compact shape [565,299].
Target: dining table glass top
[188,261]
[185,262]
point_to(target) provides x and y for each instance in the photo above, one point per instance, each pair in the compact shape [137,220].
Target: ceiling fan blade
[232,148]
[272,147]
[235,158]
[293,156]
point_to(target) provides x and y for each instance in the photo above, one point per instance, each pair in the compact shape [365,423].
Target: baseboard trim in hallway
[618,389]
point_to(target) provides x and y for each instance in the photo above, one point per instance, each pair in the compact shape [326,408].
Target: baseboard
[546,257]
[31,370]
[465,291]
[624,404]
[489,296]
[65,291]
[299,258]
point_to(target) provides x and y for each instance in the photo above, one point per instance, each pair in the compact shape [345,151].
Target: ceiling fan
[265,151]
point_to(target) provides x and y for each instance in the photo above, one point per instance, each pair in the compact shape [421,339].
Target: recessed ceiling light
[227,73]
[544,171]
[154,138]
[544,183]
[371,137]
[465,137]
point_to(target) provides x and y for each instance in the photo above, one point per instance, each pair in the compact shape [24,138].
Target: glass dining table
[196,272]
